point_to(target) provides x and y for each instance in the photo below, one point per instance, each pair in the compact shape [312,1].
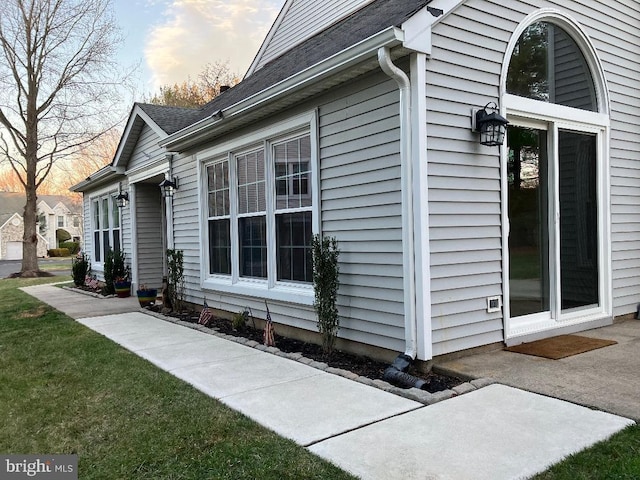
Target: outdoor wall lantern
[123,198]
[169,187]
[491,126]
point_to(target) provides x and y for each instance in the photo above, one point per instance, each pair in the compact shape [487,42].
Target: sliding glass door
[553,222]
[528,182]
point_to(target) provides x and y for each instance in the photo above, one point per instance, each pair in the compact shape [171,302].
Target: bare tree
[193,94]
[59,90]
[9,181]
[83,163]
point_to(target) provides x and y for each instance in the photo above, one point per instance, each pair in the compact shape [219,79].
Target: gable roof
[373,19]
[362,24]
[317,16]
[14,202]
[162,119]
[10,203]
[172,124]
[170,119]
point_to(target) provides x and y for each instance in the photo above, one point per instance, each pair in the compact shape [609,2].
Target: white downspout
[406,173]
[168,205]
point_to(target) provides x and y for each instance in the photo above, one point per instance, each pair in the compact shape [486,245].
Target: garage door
[14,250]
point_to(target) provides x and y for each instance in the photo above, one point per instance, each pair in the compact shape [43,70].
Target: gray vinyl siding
[464,178]
[186,225]
[464,185]
[361,207]
[304,19]
[149,243]
[125,228]
[360,200]
[87,241]
[146,149]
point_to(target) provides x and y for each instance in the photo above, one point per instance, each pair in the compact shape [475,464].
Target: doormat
[561,346]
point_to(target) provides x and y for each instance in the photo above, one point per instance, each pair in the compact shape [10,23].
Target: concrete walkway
[606,379]
[497,432]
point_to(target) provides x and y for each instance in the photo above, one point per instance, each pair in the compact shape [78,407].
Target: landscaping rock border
[415,394]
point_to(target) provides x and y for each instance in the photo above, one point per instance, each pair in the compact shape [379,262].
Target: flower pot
[123,289]
[147,297]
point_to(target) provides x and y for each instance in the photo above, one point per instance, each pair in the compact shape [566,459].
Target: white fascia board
[417,29]
[447,7]
[389,37]
[42,204]
[417,32]
[102,176]
[15,215]
[61,206]
[136,113]
[157,167]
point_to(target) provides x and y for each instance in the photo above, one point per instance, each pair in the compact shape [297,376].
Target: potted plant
[146,296]
[122,286]
[121,277]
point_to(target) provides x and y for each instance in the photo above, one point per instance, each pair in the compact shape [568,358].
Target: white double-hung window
[259,201]
[105,219]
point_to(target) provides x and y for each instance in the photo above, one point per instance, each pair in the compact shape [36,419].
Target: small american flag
[205,315]
[269,340]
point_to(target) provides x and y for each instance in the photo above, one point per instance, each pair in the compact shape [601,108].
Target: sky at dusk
[174,39]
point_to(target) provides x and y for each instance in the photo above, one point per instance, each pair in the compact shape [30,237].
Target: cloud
[193,33]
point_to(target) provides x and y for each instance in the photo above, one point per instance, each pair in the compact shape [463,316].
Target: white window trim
[99,196]
[529,112]
[268,288]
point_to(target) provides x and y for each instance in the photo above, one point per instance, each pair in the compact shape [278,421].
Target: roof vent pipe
[406,173]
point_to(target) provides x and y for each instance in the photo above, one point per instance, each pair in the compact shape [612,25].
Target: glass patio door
[553,222]
[528,181]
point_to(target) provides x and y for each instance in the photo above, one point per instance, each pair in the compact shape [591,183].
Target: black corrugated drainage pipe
[396,374]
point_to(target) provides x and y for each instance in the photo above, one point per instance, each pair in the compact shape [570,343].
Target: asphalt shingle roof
[13,202]
[171,119]
[369,20]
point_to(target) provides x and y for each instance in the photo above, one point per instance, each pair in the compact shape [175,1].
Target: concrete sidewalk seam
[364,425]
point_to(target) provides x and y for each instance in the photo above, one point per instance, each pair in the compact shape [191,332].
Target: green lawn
[61,263]
[618,458]
[67,390]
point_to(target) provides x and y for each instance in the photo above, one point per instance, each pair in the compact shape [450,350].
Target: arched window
[548,65]
[555,178]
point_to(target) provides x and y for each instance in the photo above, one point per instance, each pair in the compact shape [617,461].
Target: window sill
[289,293]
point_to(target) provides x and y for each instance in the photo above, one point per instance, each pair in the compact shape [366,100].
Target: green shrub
[108,288]
[79,269]
[239,320]
[74,247]
[58,252]
[325,285]
[175,280]
[120,268]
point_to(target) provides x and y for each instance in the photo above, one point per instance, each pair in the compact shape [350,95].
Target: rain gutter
[341,61]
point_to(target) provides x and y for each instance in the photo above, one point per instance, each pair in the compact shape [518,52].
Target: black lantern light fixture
[169,186]
[491,125]
[123,197]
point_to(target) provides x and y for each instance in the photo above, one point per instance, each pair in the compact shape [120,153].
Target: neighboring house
[354,121]
[55,212]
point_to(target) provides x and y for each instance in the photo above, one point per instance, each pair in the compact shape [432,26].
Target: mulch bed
[360,365]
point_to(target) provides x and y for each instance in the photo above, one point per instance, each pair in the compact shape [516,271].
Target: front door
[553,257]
